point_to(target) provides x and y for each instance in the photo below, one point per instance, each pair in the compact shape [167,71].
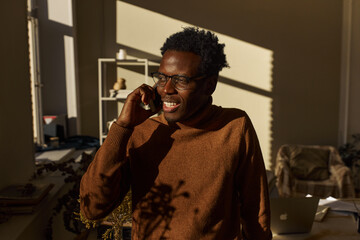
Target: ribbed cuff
[118,134]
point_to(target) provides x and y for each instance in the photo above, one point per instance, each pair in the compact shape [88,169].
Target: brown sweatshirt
[201,180]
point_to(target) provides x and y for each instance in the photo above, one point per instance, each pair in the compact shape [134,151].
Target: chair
[315,170]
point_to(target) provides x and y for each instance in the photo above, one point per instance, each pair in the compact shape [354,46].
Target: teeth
[169,104]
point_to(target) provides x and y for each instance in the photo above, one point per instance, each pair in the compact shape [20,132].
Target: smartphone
[156,103]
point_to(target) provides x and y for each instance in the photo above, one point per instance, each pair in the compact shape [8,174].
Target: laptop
[293,215]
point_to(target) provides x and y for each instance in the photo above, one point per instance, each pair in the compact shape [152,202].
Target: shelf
[121,94]
[108,99]
[130,62]
[112,99]
[133,62]
[138,62]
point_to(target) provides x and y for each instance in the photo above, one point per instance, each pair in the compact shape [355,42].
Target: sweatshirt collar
[197,120]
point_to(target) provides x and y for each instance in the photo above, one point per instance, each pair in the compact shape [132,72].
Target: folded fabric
[309,163]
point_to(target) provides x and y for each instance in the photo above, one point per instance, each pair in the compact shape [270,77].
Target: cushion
[309,163]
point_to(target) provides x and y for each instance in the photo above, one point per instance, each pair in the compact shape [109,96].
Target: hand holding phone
[139,106]
[156,103]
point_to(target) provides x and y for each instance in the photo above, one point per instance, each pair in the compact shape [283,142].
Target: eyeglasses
[179,82]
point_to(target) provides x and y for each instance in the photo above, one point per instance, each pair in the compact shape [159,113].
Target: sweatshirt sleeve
[107,179]
[253,188]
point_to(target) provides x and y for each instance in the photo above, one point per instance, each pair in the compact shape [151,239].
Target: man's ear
[211,84]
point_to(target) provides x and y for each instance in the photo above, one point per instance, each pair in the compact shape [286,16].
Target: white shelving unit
[104,97]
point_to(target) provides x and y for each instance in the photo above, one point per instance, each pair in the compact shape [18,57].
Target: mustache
[168,99]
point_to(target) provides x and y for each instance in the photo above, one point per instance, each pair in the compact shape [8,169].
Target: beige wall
[16,147]
[285,66]
[285,59]
[297,103]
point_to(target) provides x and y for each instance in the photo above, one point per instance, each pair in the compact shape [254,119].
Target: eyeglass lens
[179,82]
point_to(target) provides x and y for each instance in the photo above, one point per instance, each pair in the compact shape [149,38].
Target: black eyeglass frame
[167,77]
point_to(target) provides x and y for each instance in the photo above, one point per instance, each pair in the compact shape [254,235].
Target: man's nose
[169,87]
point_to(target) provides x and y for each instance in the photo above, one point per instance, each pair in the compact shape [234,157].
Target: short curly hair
[202,43]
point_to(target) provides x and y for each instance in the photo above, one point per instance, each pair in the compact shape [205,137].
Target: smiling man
[180,104]
[196,171]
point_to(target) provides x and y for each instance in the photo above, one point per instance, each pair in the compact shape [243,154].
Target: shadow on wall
[304,37]
[296,99]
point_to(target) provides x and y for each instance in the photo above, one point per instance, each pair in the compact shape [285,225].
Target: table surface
[335,226]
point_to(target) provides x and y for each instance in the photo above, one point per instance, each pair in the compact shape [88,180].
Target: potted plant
[68,204]
[350,154]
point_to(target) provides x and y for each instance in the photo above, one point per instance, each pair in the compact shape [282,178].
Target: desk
[335,226]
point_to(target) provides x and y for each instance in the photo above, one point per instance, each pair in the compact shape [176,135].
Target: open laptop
[293,215]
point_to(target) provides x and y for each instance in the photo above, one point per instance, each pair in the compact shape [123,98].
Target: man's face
[180,105]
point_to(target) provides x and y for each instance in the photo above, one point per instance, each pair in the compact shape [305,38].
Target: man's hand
[132,114]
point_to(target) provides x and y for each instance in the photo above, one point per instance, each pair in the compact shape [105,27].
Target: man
[196,171]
